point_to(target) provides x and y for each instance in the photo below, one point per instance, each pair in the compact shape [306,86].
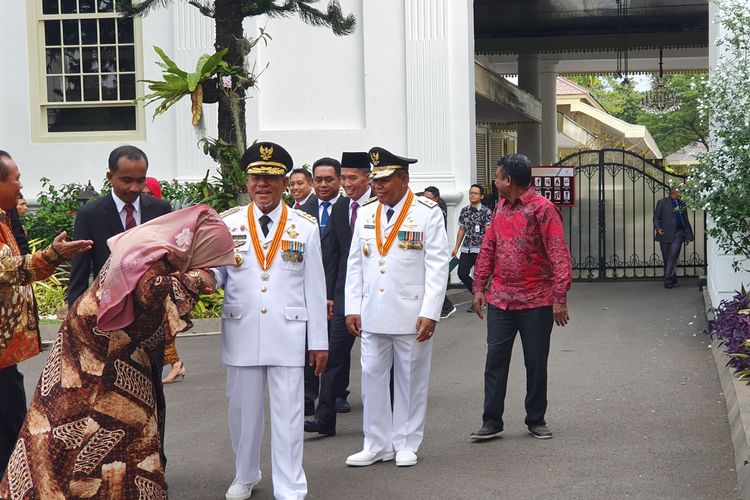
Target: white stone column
[529,134]
[440,98]
[193,37]
[548,94]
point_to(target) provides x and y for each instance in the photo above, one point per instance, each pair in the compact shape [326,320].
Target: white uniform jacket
[391,292]
[264,322]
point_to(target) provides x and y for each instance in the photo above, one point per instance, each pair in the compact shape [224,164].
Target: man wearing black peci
[355,171]
[326,174]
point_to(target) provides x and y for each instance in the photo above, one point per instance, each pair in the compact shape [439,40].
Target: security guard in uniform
[273,300]
[395,284]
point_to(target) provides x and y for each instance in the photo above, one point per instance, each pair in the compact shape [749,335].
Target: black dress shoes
[316,425]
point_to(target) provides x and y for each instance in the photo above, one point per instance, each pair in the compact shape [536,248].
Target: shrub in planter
[732,328]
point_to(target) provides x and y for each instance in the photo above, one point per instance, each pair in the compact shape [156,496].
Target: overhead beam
[498,90]
[588,43]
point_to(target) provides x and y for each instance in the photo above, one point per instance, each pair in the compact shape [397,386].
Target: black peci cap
[355,160]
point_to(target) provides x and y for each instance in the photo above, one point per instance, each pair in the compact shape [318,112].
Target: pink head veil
[191,238]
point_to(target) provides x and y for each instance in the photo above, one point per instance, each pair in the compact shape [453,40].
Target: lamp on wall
[660,99]
[86,195]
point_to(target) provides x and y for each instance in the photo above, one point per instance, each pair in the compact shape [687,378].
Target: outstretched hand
[70,249]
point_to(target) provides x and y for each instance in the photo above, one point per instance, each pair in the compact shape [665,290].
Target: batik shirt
[474,221]
[19,325]
[526,254]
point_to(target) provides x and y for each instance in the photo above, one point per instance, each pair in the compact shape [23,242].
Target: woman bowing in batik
[94,426]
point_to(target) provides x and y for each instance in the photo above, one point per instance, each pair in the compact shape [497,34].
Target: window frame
[38,83]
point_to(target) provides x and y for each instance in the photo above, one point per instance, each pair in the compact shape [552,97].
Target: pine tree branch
[204,8]
[130,8]
[267,7]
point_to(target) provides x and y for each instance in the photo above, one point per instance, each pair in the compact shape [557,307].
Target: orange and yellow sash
[265,260]
[384,248]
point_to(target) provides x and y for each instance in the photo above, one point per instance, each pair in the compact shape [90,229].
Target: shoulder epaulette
[305,215]
[374,198]
[229,212]
[426,201]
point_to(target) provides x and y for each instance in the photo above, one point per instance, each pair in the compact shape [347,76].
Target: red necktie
[129,219]
[296,204]
[355,206]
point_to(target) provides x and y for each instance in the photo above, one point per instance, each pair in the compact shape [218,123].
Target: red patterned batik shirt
[525,253]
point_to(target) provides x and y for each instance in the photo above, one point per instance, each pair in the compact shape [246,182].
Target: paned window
[89,67]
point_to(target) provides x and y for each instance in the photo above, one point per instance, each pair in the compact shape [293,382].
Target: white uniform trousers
[246,388]
[403,427]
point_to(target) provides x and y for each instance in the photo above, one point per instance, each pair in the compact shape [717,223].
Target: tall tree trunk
[229,35]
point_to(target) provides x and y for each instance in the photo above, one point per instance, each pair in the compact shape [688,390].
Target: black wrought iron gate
[610,228]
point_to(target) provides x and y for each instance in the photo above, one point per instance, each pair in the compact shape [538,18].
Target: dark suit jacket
[311,197]
[98,221]
[666,219]
[336,252]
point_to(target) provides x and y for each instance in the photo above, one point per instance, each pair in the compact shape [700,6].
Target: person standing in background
[472,223]
[672,230]
[300,187]
[526,260]
[326,180]
[104,217]
[433,193]
[355,176]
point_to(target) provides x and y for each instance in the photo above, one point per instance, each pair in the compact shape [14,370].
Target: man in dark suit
[355,170]
[672,230]
[109,215]
[325,177]
[300,187]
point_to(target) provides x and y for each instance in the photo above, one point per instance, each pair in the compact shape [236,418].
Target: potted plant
[178,83]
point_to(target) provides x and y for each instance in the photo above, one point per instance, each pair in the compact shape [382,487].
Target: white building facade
[403,80]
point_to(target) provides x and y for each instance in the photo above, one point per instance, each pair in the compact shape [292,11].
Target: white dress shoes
[405,458]
[365,458]
[239,491]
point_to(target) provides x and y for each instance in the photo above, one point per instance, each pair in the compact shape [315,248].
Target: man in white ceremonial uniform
[273,301]
[395,284]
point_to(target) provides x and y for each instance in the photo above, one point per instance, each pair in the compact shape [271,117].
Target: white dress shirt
[121,209]
[320,206]
[359,201]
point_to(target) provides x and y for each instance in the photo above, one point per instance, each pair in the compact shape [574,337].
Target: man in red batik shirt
[525,253]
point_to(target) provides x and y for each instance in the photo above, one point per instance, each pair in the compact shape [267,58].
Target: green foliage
[684,126]
[178,83]
[181,194]
[56,212]
[671,131]
[229,188]
[50,298]
[209,306]
[721,185]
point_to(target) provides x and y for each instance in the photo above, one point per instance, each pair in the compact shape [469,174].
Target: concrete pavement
[635,405]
